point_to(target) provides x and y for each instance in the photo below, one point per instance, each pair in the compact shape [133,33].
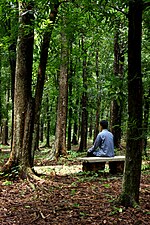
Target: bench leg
[96,166]
[116,167]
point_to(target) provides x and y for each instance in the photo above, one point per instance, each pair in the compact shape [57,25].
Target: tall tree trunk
[116,106]
[70,98]
[60,137]
[41,73]
[20,156]
[5,132]
[6,120]
[69,129]
[131,180]
[12,57]
[98,100]
[48,124]
[41,131]
[75,134]
[75,126]
[91,125]
[83,141]
[96,130]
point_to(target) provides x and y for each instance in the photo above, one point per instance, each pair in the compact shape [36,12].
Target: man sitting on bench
[104,143]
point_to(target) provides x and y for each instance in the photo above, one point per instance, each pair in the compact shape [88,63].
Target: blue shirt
[103,145]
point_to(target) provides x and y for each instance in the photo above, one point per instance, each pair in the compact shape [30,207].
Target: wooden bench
[116,164]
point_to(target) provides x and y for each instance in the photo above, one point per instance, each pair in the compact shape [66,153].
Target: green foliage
[83,214]
[74,154]
[3,157]
[73,191]
[146,167]
[27,206]
[76,205]
[116,210]
[87,176]
[107,185]
[7,183]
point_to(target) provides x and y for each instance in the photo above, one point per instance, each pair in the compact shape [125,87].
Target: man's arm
[97,144]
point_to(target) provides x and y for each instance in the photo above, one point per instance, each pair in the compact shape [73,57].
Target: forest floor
[67,196]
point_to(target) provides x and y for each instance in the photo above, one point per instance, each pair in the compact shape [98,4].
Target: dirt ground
[67,196]
[70,199]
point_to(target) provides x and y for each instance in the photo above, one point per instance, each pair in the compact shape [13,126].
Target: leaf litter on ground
[69,197]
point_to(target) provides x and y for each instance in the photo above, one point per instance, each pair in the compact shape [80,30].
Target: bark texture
[20,156]
[13,28]
[131,181]
[41,74]
[60,137]
[75,125]
[117,104]
[84,100]
[5,132]
[70,86]
[98,100]
[48,123]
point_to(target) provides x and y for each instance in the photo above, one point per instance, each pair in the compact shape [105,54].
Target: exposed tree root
[32,176]
[14,172]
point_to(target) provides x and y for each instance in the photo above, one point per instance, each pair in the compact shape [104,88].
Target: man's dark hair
[104,124]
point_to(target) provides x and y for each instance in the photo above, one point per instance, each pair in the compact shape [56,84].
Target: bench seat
[116,164]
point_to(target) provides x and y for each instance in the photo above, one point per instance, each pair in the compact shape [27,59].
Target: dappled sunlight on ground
[58,169]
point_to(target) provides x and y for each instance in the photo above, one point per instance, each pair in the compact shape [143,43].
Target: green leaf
[7,183]
[27,206]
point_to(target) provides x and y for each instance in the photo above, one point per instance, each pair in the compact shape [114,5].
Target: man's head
[103,124]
